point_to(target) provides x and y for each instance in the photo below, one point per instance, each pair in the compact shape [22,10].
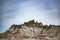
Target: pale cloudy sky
[19,11]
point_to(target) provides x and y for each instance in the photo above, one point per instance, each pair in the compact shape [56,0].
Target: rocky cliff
[32,31]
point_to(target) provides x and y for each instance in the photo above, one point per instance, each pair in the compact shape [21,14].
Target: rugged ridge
[32,30]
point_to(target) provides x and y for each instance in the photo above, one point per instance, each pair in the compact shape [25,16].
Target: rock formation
[32,31]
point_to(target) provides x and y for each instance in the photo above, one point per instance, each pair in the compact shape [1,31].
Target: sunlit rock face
[32,31]
[27,32]
[36,33]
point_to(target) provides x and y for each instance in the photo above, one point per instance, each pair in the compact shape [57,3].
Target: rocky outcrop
[31,31]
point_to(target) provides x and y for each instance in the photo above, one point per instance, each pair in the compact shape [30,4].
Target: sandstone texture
[31,31]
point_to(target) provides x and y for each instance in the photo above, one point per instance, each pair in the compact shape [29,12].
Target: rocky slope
[31,31]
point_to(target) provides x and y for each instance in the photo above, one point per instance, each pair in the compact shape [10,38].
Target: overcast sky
[20,11]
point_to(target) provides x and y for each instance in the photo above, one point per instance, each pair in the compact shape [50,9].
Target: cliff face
[32,31]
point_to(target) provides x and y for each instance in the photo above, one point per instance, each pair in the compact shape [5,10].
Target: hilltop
[32,30]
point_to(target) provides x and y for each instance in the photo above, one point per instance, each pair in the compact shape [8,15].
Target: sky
[20,11]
